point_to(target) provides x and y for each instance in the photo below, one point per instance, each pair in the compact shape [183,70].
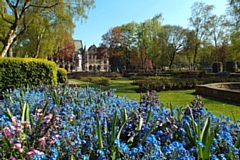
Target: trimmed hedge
[174,83]
[62,75]
[97,80]
[22,72]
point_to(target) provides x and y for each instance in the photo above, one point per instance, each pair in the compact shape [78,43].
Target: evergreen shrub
[22,72]
[62,75]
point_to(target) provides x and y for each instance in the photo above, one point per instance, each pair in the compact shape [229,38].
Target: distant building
[95,59]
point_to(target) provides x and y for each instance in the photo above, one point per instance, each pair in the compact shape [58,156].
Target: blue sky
[111,13]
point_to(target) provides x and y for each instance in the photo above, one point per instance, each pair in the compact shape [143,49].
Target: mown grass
[179,98]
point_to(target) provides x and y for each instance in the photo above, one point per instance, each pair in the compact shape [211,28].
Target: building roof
[78,45]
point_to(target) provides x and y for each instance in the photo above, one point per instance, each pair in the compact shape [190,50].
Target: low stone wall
[228,91]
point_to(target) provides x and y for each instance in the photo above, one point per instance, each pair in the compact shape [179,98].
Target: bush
[97,80]
[62,75]
[168,83]
[22,72]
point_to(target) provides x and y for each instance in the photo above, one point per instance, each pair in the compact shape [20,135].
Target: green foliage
[61,75]
[23,72]
[97,80]
[201,137]
[171,83]
[42,26]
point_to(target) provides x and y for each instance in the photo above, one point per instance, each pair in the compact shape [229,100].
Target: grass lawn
[176,98]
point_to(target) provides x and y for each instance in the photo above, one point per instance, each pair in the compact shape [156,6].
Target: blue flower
[84,157]
[100,152]
[57,141]
[214,157]
[222,156]
[117,142]
[200,144]
[54,154]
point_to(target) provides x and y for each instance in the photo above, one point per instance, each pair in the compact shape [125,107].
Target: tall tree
[112,40]
[155,47]
[188,49]
[23,12]
[128,42]
[200,20]
[234,12]
[219,32]
[143,41]
[174,42]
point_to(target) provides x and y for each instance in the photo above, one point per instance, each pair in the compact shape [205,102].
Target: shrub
[62,75]
[22,72]
[97,80]
[166,83]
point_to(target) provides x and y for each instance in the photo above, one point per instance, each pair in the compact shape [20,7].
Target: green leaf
[24,112]
[171,109]
[114,121]
[206,150]
[237,143]
[99,134]
[189,134]
[149,116]
[206,131]
[125,114]
[9,113]
[140,124]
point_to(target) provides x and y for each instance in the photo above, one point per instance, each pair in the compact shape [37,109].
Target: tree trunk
[8,43]
[195,56]
[10,52]
[39,39]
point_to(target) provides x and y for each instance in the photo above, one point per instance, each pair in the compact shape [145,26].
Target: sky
[108,14]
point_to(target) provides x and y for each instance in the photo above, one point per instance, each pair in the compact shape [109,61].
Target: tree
[22,13]
[154,49]
[143,41]
[128,42]
[174,41]
[200,21]
[112,40]
[234,12]
[188,48]
[64,52]
[219,33]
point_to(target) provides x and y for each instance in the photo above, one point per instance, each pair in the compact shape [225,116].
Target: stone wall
[227,91]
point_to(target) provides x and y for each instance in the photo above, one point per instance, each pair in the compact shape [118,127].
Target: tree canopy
[208,38]
[43,25]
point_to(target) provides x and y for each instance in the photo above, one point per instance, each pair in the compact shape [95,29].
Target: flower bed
[86,123]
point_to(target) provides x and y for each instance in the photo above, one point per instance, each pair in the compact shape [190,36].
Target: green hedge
[22,72]
[173,83]
[62,75]
[97,80]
